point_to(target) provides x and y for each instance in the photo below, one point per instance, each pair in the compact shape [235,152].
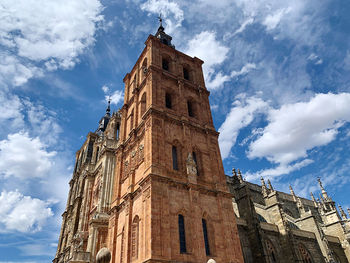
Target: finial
[240,177]
[300,205]
[292,193]
[108,110]
[320,183]
[348,211]
[269,184]
[291,190]
[342,213]
[263,187]
[234,173]
[313,199]
[160,20]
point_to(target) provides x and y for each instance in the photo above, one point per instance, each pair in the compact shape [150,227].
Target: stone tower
[149,184]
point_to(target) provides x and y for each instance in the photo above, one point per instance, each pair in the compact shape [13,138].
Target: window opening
[205,234]
[186,74]
[174,154]
[165,64]
[182,237]
[168,100]
[190,108]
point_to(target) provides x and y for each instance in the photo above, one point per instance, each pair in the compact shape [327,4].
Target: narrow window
[117,131]
[168,100]
[174,154]
[195,161]
[89,151]
[165,64]
[190,108]
[306,258]
[97,152]
[205,235]
[182,237]
[143,103]
[271,252]
[186,74]
[131,120]
[135,237]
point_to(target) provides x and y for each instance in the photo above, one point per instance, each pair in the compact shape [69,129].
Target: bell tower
[170,201]
[149,183]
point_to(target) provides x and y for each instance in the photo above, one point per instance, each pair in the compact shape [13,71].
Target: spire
[269,184]
[342,213]
[108,110]
[292,193]
[313,199]
[105,119]
[240,177]
[324,193]
[263,187]
[234,173]
[161,35]
[300,205]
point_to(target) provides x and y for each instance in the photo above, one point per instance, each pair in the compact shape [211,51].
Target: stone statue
[103,255]
[191,165]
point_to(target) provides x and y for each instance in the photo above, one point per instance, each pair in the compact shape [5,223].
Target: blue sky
[278,73]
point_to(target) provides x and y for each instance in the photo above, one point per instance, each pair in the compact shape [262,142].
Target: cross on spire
[160,20]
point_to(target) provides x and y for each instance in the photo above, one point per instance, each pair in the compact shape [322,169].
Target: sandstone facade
[149,184]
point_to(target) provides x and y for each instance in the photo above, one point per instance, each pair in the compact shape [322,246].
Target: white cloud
[279,170]
[295,128]
[241,115]
[24,157]
[10,111]
[244,70]
[42,122]
[314,58]
[54,32]
[105,89]
[272,20]
[170,11]
[205,46]
[116,97]
[299,20]
[247,22]
[22,213]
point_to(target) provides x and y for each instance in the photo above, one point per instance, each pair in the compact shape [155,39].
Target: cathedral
[149,184]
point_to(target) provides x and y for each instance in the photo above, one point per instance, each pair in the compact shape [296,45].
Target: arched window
[186,73]
[305,255]
[165,64]
[174,157]
[205,235]
[168,100]
[182,236]
[143,103]
[271,253]
[135,237]
[190,108]
[96,155]
[144,66]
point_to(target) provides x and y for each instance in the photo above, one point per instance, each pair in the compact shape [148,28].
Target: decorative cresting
[103,255]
